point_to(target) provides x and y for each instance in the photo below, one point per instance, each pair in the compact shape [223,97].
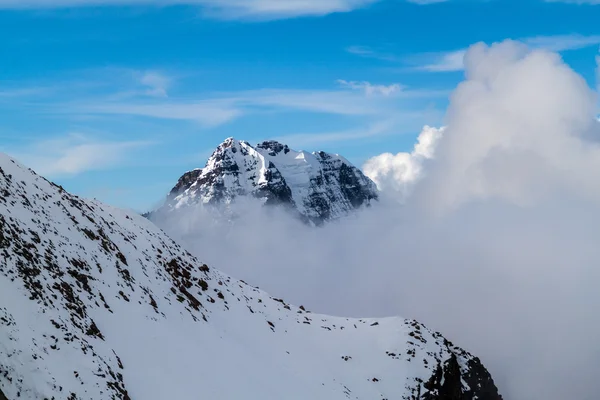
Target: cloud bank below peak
[495,245]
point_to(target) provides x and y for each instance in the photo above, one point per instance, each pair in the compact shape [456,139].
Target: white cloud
[453,60]
[75,154]
[360,50]
[598,72]
[367,52]
[560,43]
[156,83]
[132,83]
[446,62]
[591,2]
[322,101]
[126,96]
[206,113]
[529,86]
[397,173]
[282,9]
[521,155]
[340,102]
[496,247]
[517,130]
[425,2]
[226,107]
[305,140]
[261,9]
[13,93]
[371,89]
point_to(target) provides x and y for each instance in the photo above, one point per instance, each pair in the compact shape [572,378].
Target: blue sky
[116,99]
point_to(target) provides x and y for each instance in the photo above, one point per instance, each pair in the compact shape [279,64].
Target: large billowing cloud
[521,128]
[496,246]
[397,173]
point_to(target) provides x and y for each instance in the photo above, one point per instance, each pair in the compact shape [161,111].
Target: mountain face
[317,186]
[98,303]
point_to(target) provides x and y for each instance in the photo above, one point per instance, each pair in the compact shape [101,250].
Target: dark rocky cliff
[317,186]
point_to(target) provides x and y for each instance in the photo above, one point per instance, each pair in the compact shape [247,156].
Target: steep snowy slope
[318,186]
[97,303]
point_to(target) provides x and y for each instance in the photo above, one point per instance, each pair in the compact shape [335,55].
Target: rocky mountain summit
[317,186]
[98,303]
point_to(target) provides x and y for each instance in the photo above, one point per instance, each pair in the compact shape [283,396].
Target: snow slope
[318,186]
[98,303]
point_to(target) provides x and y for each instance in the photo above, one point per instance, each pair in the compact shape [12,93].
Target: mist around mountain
[98,303]
[485,229]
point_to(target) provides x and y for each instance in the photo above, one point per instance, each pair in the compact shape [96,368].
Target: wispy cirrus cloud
[205,113]
[211,111]
[368,52]
[388,110]
[426,2]
[141,101]
[445,62]
[559,43]
[434,61]
[590,2]
[224,9]
[371,89]
[400,124]
[74,154]
[156,83]
[14,93]
[336,102]
[134,82]
[452,61]
[119,82]
[273,9]
[306,140]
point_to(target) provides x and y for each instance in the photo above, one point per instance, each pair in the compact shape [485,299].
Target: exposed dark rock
[319,187]
[480,381]
[184,182]
[275,191]
[273,147]
[66,257]
[446,382]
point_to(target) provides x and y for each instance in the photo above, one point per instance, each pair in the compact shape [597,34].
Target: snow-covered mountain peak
[319,186]
[98,303]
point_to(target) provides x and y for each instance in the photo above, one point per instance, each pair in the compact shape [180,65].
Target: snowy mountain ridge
[318,186]
[98,303]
